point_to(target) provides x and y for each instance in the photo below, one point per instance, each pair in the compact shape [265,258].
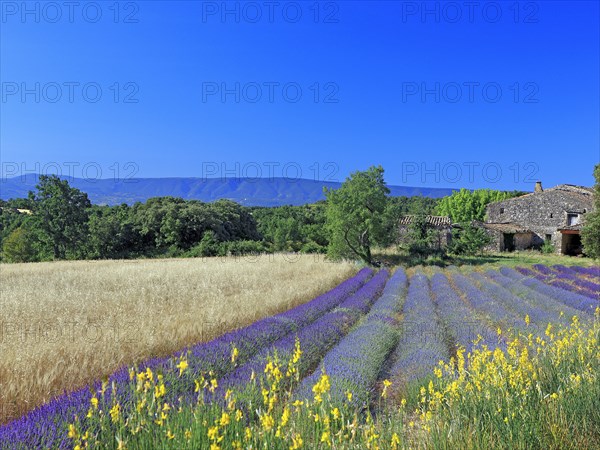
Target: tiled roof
[577,227]
[436,221]
[573,188]
[508,227]
[582,193]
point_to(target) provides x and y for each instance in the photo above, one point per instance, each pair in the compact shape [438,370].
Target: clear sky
[441,94]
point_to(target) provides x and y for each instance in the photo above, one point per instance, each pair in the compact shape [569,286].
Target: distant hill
[246,191]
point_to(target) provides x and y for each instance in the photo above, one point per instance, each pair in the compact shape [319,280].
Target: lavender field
[377,336]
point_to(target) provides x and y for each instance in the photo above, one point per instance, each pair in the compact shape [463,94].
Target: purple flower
[422,340]
[354,364]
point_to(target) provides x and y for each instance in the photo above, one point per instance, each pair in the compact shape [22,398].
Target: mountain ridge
[246,191]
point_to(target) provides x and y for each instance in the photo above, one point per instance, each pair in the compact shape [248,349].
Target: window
[551,215]
[548,237]
[501,210]
[572,219]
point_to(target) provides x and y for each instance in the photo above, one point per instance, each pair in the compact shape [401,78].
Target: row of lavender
[46,426]
[581,280]
[354,364]
[574,299]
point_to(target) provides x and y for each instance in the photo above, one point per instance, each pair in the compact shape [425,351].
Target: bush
[547,247]
[238,248]
[313,247]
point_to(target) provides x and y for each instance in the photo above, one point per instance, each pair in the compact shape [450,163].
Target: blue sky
[439,94]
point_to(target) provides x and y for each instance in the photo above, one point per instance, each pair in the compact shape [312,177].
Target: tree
[61,213]
[465,206]
[111,233]
[469,240]
[354,214]
[17,247]
[590,235]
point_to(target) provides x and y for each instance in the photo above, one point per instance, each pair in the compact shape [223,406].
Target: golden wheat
[65,324]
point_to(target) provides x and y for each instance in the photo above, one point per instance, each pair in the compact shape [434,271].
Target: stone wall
[522,241]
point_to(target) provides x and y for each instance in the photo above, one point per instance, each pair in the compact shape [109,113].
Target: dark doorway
[509,242]
[572,244]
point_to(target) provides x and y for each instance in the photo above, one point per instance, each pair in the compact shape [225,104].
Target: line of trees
[63,224]
[353,219]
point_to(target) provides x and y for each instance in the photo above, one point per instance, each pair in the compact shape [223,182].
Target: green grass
[390,257]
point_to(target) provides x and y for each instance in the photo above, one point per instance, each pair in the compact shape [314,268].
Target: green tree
[111,233]
[590,235]
[61,214]
[17,247]
[354,214]
[469,240]
[465,206]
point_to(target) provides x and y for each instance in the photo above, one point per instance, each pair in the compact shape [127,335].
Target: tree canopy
[465,205]
[354,214]
[61,214]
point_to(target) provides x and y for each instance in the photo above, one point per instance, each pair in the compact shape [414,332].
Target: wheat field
[65,324]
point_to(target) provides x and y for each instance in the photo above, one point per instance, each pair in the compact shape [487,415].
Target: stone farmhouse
[552,215]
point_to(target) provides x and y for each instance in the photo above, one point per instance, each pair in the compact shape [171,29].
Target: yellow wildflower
[285,417]
[159,390]
[296,442]
[72,431]
[395,441]
[115,411]
[325,438]
[183,364]
[335,413]
[386,385]
[213,433]
[225,419]
[267,422]
[297,352]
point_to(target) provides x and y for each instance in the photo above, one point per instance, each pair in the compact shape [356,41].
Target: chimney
[538,187]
